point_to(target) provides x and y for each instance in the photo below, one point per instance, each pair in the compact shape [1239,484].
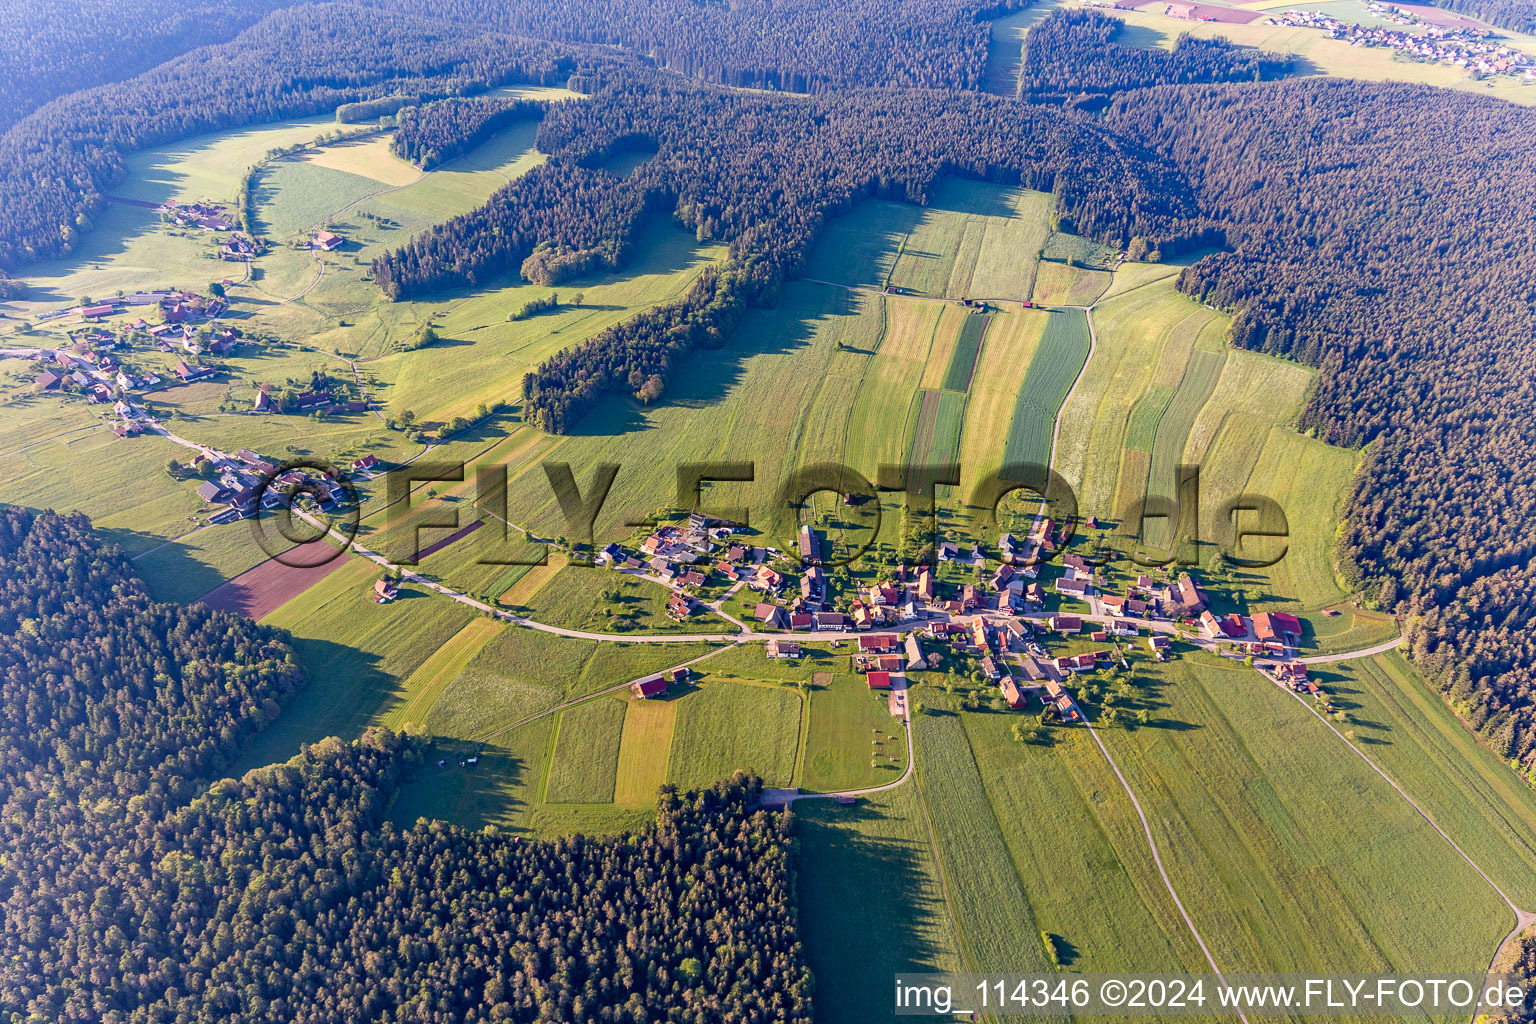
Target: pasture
[723,726]
[586,758]
[644,749]
[852,741]
[1067,284]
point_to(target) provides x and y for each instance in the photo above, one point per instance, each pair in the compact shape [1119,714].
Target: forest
[1072,56]
[135,887]
[436,132]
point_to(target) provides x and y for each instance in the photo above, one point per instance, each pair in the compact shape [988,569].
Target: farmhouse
[1076,663]
[327,241]
[770,615]
[1277,626]
[782,649]
[915,660]
[46,381]
[878,643]
[810,549]
[925,585]
[210,492]
[191,373]
[1159,643]
[369,463]
[646,688]
[1015,697]
[1066,623]
[1188,598]
[1072,588]
[830,620]
[385,591]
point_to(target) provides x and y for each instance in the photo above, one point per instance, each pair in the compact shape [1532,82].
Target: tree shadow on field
[473,796]
[855,881]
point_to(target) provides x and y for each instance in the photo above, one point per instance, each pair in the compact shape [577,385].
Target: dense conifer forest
[132,890]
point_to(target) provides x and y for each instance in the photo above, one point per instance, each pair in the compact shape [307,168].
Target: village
[1478,51]
[999,630]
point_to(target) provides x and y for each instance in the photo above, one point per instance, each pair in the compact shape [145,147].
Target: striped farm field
[962,359]
[643,751]
[424,686]
[1173,426]
[723,727]
[1010,344]
[1064,284]
[1057,361]
[937,420]
[951,322]
[586,761]
[1141,426]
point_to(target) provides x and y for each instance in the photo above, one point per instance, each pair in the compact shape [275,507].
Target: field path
[1158,859]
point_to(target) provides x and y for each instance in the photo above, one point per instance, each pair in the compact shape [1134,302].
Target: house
[878,680]
[915,660]
[1076,663]
[367,464]
[802,620]
[948,552]
[968,596]
[735,553]
[810,549]
[385,591]
[1006,546]
[1034,594]
[693,578]
[926,588]
[770,615]
[1015,697]
[263,403]
[1277,626]
[1114,604]
[190,373]
[1001,578]
[633,563]
[611,554]
[878,643]
[1160,644]
[663,568]
[830,620]
[1188,598]
[648,687]
[679,606]
[727,570]
[1210,625]
[1077,563]
[1234,627]
[767,580]
[989,669]
[783,649]
[327,241]
[46,381]
[210,492]
[1066,623]
[979,635]
[1072,588]
[861,615]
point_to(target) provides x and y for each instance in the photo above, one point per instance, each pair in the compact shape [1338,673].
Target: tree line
[436,132]
[134,889]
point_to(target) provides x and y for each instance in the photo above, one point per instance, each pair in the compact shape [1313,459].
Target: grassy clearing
[723,726]
[502,789]
[1259,815]
[1057,361]
[643,751]
[295,196]
[586,753]
[853,742]
[595,600]
[868,871]
[998,929]
[370,158]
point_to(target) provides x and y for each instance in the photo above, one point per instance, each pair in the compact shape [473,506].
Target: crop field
[1066,284]
[522,672]
[962,360]
[868,870]
[852,741]
[1256,808]
[1057,361]
[936,418]
[998,929]
[974,240]
[268,586]
[643,751]
[369,158]
[1077,844]
[586,757]
[1173,426]
[1012,339]
[724,726]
